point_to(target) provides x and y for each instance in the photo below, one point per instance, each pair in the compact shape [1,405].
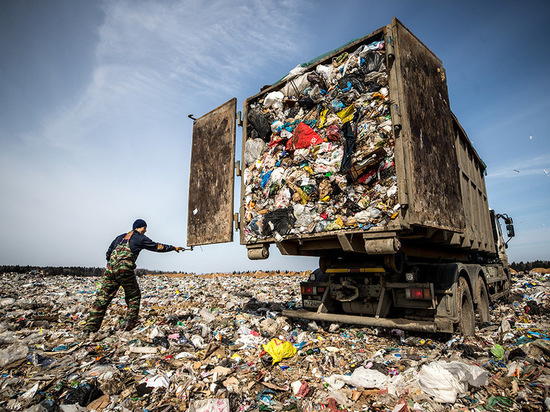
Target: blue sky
[94,98]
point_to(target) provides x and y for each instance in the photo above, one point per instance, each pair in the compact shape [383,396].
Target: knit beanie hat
[139,223]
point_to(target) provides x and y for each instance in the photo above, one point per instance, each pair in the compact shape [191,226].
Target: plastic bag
[498,352]
[253,148]
[279,349]
[198,342]
[274,99]
[259,122]
[366,378]
[328,72]
[304,215]
[346,115]
[210,405]
[279,221]
[340,397]
[303,137]
[406,382]
[295,86]
[445,380]
[157,381]
[13,353]
[283,198]
[83,395]
[298,70]
[207,315]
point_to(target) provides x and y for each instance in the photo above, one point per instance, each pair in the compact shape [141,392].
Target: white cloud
[154,57]
[526,167]
[206,46]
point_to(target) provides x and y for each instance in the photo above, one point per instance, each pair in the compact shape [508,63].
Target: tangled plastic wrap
[324,141]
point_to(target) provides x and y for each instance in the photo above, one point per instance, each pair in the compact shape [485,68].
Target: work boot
[87,335]
[128,326]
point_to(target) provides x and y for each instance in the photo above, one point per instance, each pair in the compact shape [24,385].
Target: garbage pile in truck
[319,151]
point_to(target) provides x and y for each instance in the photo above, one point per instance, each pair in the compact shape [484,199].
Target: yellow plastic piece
[346,115]
[323,118]
[279,349]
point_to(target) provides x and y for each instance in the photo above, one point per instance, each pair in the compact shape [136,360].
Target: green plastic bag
[498,352]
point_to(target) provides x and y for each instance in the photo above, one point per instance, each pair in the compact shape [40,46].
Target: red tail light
[418,293]
[308,290]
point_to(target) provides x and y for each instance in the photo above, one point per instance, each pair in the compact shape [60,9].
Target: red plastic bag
[303,136]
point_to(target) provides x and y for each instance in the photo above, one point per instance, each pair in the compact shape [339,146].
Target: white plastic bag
[328,72]
[403,383]
[366,378]
[340,397]
[445,380]
[295,72]
[157,381]
[296,86]
[274,99]
[210,405]
[198,342]
[335,381]
[253,148]
[207,316]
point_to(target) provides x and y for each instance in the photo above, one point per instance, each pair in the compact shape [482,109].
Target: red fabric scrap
[303,137]
[303,391]
[275,140]
[367,177]
[332,405]
[333,133]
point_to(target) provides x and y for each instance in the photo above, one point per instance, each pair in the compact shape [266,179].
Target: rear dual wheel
[483,303]
[466,315]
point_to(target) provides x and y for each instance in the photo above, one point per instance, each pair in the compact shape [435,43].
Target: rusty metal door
[428,138]
[212,178]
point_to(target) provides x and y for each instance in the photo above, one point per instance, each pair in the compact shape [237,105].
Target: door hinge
[239,118]
[236,220]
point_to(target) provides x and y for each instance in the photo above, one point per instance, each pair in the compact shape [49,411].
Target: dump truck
[356,158]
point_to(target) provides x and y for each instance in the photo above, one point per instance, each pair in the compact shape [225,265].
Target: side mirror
[509,227]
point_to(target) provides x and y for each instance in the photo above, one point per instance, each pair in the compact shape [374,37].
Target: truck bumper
[399,323]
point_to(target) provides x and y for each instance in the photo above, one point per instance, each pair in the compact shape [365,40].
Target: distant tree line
[90,271]
[527,266]
[70,270]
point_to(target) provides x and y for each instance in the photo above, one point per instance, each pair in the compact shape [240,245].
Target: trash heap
[319,151]
[219,343]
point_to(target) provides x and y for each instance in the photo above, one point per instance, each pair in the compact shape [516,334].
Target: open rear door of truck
[212,177]
[432,177]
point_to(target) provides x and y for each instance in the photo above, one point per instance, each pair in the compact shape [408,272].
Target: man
[121,263]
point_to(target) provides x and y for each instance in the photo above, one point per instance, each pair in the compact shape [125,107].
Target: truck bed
[439,210]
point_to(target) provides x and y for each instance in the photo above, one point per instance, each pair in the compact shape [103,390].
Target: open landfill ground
[219,343]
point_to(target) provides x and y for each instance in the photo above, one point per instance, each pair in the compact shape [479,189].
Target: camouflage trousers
[111,282]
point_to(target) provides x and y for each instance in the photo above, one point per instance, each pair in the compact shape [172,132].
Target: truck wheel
[466,324]
[483,305]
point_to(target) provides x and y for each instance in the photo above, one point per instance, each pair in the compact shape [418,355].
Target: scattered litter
[219,343]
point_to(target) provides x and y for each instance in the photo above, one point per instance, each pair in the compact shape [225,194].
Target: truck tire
[483,301]
[466,323]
